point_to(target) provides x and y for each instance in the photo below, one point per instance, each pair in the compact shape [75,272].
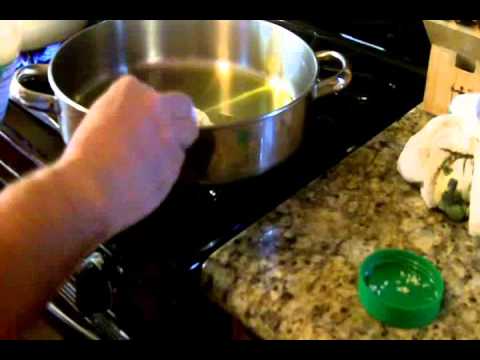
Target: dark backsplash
[404,40]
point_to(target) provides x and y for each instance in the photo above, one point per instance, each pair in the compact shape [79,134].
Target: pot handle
[336,82]
[41,103]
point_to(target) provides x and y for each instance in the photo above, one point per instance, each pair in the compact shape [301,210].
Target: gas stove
[144,283]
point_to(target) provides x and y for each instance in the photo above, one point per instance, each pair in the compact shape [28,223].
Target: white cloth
[424,153]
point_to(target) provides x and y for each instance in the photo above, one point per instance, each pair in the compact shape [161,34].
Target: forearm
[108,178]
[46,227]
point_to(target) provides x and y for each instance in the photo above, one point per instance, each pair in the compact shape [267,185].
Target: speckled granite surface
[293,274]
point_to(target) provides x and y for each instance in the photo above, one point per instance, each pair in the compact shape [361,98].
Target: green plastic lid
[400,288]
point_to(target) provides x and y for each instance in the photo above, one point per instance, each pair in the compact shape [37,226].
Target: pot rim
[238,122]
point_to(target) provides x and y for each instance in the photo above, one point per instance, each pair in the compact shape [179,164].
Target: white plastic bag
[10,42]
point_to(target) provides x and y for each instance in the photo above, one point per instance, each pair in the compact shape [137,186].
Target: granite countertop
[293,275]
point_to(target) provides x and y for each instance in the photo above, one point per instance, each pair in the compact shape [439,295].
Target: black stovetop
[161,256]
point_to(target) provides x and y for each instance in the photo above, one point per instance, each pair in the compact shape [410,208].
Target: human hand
[128,151]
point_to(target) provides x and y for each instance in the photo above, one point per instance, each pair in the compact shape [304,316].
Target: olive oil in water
[225,92]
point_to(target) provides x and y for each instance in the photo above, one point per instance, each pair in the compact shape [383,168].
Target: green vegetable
[452,203]
[447,170]
[456,212]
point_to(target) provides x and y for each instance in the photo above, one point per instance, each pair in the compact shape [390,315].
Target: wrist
[86,199]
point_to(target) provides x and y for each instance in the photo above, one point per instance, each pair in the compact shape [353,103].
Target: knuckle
[129,84]
[128,87]
[122,87]
[128,79]
[178,96]
[125,82]
[180,104]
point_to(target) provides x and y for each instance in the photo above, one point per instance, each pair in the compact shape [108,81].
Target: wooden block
[445,80]
[454,66]
[461,39]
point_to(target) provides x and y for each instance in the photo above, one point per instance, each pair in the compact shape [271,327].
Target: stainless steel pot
[242,148]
